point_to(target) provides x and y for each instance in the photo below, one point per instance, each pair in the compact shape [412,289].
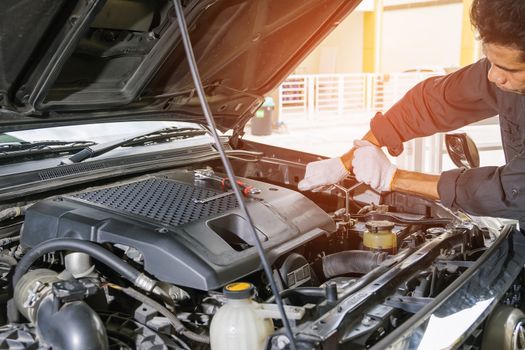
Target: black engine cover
[197,245]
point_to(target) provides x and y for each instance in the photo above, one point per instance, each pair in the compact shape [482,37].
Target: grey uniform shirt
[446,103]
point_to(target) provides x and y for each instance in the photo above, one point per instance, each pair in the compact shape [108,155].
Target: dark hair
[500,22]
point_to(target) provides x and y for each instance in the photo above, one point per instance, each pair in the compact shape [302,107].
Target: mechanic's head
[501,27]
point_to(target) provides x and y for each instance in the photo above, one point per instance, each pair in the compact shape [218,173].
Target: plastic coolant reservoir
[239,324]
[379,236]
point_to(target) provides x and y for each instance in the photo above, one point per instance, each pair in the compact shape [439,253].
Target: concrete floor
[327,136]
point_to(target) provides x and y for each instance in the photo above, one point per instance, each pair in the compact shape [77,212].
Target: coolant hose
[352,261]
[13,212]
[94,250]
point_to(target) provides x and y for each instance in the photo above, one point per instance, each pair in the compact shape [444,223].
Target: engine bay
[138,240]
[341,264]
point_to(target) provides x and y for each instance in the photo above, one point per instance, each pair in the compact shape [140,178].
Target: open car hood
[66,62]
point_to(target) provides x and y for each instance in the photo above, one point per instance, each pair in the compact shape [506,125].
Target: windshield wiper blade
[24,149]
[167,136]
[141,138]
[24,145]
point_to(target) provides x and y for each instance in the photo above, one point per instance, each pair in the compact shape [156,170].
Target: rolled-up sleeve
[488,191]
[437,104]
[447,186]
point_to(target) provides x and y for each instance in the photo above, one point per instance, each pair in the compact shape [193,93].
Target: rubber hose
[352,261]
[94,250]
[404,221]
[9,213]
[74,326]
[13,212]
[175,322]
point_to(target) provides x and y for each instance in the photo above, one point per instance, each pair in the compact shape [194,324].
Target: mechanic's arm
[437,104]
[484,191]
[496,191]
[412,182]
[371,166]
[330,171]
[347,158]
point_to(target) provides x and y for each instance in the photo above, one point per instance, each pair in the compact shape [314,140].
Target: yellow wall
[369,42]
[422,37]
[468,43]
[434,35]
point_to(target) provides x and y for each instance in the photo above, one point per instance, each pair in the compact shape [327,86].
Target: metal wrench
[212,198]
[207,173]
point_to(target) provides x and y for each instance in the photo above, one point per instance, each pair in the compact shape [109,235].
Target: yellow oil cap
[239,290]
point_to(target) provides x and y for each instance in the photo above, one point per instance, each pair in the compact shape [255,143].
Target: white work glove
[371,166]
[322,173]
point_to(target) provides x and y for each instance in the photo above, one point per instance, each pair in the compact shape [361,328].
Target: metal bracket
[408,304]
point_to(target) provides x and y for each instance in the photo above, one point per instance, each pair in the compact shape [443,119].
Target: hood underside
[69,62]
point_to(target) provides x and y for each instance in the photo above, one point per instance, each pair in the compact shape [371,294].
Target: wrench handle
[245,189]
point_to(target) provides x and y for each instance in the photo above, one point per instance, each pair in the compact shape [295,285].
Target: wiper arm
[166,136]
[24,149]
[141,138]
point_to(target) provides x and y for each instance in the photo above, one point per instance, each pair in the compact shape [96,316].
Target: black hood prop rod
[227,165]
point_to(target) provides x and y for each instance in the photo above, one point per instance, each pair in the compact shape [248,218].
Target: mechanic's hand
[322,173]
[371,166]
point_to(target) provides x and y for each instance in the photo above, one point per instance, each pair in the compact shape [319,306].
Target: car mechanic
[495,85]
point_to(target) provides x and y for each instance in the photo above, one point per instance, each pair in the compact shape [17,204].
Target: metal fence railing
[313,95]
[294,96]
[323,97]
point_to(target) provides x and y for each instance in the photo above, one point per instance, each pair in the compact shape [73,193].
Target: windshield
[49,147]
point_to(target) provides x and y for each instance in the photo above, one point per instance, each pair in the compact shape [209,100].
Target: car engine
[145,262]
[182,229]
